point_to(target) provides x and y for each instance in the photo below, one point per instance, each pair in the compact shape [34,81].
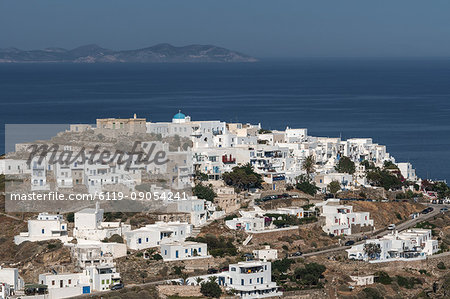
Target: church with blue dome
[180,118]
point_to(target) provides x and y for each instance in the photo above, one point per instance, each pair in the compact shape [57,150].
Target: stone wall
[170,290]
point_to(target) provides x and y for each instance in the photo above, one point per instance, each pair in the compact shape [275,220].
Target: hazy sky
[276,28]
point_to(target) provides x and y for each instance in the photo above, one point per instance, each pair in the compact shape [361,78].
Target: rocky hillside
[385,213]
[96,54]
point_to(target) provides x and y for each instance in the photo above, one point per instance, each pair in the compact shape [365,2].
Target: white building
[339,219]
[65,285]
[251,279]
[407,171]
[267,254]
[362,280]
[249,224]
[195,207]
[94,253]
[153,235]
[345,180]
[175,251]
[89,225]
[11,277]
[45,227]
[93,278]
[407,245]
[292,211]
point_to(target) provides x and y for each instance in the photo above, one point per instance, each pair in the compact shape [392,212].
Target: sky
[261,28]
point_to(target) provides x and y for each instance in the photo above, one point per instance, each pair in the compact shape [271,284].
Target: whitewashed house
[252,279]
[11,277]
[407,171]
[411,244]
[195,207]
[268,254]
[45,227]
[292,211]
[89,225]
[176,250]
[340,218]
[103,277]
[65,285]
[249,224]
[153,235]
[39,175]
[362,280]
[93,278]
[90,252]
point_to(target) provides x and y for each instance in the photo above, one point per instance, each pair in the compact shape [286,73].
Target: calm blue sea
[402,104]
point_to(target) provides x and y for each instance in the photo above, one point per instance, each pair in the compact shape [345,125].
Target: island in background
[96,54]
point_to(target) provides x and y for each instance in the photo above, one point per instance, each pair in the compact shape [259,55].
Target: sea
[401,103]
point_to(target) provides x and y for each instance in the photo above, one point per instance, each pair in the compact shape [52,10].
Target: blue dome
[179,115]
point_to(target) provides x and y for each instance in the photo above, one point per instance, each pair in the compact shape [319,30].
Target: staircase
[247,240]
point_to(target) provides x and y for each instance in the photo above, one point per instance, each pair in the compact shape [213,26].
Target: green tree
[383,178]
[309,165]
[204,192]
[304,184]
[178,270]
[157,257]
[345,165]
[372,250]
[70,217]
[310,274]
[383,277]
[185,277]
[334,187]
[243,177]
[389,165]
[371,293]
[211,289]
[116,238]
[200,176]
[263,131]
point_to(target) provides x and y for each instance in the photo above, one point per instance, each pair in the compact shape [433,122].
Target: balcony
[228,160]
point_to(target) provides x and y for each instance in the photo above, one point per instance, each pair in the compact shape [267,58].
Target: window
[199,249]
[103,281]
[262,280]
[139,240]
[62,227]
[70,281]
[165,252]
[53,282]
[250,281]
[43,231]
[107,281]
[242,282]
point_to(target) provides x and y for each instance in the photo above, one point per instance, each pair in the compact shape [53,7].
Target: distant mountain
[97,54]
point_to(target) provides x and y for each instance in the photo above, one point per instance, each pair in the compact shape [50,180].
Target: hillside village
[255,213]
